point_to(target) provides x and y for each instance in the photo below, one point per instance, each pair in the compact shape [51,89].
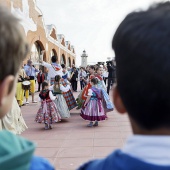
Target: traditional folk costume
[56,69]
[68,96]
[65,76]
[60,101]
[108,105]
[94,110]
[13,121]
[83,94]
[53,70]
[48,112]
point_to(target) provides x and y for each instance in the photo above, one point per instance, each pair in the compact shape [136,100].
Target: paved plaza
[70,143]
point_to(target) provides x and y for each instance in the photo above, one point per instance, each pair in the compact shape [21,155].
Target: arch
[69,62]
[36,49]
[63,59]
[53,53]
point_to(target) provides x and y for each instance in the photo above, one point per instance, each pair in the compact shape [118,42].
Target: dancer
[60,102]
[93,108]
[55,69]
[48,112]
[83,94]
[99,75]
[108,105]
[13,121]
[65,75]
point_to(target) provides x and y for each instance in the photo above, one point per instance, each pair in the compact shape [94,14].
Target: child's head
[45,85]
[13,51]
[64,68]
[142,48]
[57,78]
[99,70]
[94,81]
[91,69]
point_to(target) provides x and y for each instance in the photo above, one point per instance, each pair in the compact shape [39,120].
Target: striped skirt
[70,100]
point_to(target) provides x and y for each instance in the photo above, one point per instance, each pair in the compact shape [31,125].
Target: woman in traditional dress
[92,109]
[48,112]
[60,102]
[83,94]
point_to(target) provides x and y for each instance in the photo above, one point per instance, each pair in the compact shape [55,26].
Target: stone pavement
[70,143]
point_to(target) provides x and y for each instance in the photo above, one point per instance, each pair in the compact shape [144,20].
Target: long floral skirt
[47,113]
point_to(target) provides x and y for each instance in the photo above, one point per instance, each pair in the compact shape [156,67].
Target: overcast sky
[89,24]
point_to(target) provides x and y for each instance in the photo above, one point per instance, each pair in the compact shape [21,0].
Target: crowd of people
[141,45]
[57,100]
[56,91]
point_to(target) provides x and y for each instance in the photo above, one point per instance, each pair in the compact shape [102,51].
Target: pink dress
[94,110]
[48,112]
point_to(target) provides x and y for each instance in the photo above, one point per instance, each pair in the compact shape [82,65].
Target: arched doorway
[69,62]
[36,49]
[53,53]
[35,52]
[63,59]
[73,61]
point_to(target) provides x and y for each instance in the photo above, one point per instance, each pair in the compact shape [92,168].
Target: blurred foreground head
[13,51]
[142,48]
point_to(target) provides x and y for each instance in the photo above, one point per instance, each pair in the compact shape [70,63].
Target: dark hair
[97,68]
[94,81]
[54,59]
[57,78]
[63,65]
[14,48]
[92,67]
[44,84]
[142,48]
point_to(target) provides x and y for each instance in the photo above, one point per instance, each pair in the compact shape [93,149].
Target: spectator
[40,78]
[82,76]
[31,74]
[141,45]
[16,152]
[111,75]
[74,78]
